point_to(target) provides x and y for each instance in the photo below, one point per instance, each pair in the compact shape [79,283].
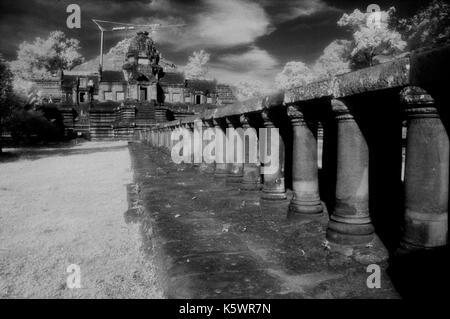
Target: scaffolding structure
[111,26]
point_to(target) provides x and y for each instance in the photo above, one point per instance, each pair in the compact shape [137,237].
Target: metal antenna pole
[119,26]
[101,41]
[101,49]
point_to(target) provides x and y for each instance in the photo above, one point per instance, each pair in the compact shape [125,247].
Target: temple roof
[141,44]
[172,78]
[202,85]
[113,76]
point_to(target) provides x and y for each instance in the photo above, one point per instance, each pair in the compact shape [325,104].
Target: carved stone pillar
[234,151]
[168,138]
[350,223]
[165,131]
[190,129]
[251,178]
[220,159]
[207,165]
[197,146]
[159,137]
[426,173]
[305,181]
[274,186]
[171,130]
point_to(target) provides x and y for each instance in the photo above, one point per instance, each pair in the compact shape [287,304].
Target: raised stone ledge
[379,77]
[416,68]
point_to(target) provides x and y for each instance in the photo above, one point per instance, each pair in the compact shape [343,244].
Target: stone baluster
[251,179]
[166,138]
[153,141]
[197,130]
[158,137]
[234,152]
[306,201]
[350,222]
[208,165]
[190,135]
[426,173]
[274,186]
[220,151]
[164,134]
[169,140]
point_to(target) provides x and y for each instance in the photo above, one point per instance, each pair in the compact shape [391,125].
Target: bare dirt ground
[65,205]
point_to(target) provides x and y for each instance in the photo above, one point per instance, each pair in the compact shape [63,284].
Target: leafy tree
[372,38]
[246,89]
[334,60]
[121,48]
[294,74]
[197,68]
[45,57]
[429,27]
[6,93]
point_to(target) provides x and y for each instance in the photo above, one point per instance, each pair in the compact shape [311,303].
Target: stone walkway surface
[212,240]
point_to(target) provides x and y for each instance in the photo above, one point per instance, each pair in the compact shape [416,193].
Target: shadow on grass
[63,149]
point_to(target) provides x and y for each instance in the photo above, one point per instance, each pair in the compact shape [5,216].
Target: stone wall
[359,185]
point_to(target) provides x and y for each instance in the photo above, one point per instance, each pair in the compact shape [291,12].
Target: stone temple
[141,78]
[141,85]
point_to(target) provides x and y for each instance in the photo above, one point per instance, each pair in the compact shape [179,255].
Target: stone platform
[212,240]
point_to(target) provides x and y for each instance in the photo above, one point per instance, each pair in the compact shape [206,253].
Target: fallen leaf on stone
[326,244]
[225,228]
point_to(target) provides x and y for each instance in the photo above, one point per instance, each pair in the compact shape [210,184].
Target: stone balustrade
[362,114]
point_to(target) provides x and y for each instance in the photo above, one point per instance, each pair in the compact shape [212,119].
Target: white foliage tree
[334,60]
[372,36]
[45,57]
[294,74]
[428,27]
[247,89]
[197,66]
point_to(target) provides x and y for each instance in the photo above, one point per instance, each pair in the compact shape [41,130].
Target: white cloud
[254,64]
[255,58]
[285,10]
[215,24]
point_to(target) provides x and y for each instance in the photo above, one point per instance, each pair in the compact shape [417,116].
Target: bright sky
[246,39]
